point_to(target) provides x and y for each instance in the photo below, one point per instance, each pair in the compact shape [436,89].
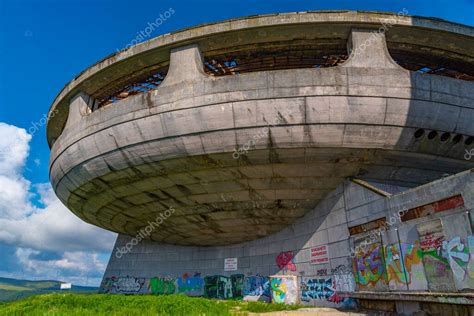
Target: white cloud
[14,197]
[79,262]
[14,189]
[49,226]
[14,149]
[54,228]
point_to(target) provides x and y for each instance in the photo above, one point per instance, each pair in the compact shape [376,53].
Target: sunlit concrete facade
[243,158]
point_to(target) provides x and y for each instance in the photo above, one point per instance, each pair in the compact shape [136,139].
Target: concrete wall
[116,166]
[436,37]
[257,166]
[350,268]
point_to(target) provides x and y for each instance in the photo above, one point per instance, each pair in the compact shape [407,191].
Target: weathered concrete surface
[432,36]
[289,252]
[241,157]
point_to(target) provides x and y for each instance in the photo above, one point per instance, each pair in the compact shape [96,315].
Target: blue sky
[43,45]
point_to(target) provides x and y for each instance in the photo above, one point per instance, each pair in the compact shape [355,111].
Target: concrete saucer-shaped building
[246,126]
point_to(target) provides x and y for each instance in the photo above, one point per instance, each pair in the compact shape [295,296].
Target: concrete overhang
[435,34]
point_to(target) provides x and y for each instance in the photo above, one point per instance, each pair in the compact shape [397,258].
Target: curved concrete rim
[186,35]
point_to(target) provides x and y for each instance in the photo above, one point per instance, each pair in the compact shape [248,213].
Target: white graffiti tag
[128,285]
[452,250]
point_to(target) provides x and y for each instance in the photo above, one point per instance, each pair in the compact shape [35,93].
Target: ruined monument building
[324,158]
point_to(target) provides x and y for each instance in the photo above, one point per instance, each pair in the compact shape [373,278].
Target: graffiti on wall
[399,265]
[123,285]
[345,282]
[190,286]
[163,285]
[434,262]
[437,270]
[285,261]
[460,255]
[257,288]
[405,267]
[453,260]
[342,269]
[323,291]
[319,289]
[369,267]
[284,289]
[223,287]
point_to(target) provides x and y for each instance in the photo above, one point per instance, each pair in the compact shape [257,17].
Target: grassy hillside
[13,289]
[106,304]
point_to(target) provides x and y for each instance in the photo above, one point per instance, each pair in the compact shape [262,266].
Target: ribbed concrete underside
[219,200]
[122,165]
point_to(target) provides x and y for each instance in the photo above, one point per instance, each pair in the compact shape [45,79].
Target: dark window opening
[426,62]
[130,85]
[286,56]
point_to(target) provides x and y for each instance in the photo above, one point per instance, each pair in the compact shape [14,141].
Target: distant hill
[13,289]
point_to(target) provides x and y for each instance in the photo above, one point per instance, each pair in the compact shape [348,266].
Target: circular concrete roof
[442,35]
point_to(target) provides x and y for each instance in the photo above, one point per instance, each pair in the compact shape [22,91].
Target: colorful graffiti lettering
[369,267]
[278,290]
[284,289]
[432,263]
[257,288]
[285,262]
[191,286]
[460,257]
[223,287]
[470,266]
[322,291]
[436,267]
[457,255]
[318,289]
[399,266]
[162,285]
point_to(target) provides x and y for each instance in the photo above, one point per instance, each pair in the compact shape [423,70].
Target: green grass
[104,304]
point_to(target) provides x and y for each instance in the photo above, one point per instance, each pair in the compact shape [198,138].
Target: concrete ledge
[446,298]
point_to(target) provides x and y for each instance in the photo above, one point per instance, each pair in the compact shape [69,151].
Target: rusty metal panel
[362,228]
[453,202]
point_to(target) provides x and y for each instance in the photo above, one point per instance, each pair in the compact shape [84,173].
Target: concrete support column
[78,107]
[186,65]
[368,49]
